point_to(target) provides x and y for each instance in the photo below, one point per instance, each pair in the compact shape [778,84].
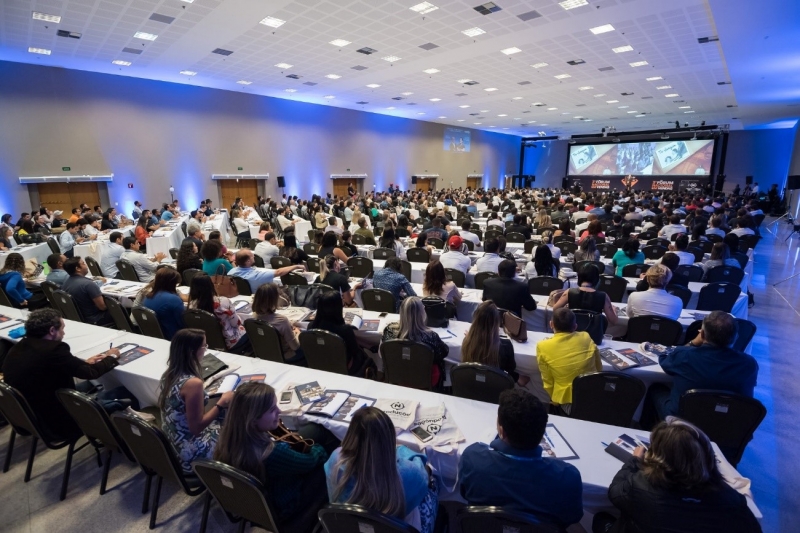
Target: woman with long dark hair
[629,254]
[188,257]
[203,296]
[12,279]
[483,344]
[330,317]
[163,298]
[542,264]
[388,240]
[437,284]
[191,429]
[290,250]
[587,251]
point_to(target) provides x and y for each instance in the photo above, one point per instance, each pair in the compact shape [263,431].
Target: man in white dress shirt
[674,226]
[268,248]
[490,260]
[145,268]
[679,248]
[455,257]
[655,301]
[111,254]
[467,235]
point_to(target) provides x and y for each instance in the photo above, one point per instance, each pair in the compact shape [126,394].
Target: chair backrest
[481,277]
[278,261]
[127,271]
[67,306]
[92,419]
[706,246]
[150,447]
[293,278]
[544,285]
[490,233]
[654,252]
[727,274]
[310,248]
[748,241]
[189,274]
[121,321]
[479,382]
[48,288]
[699,255]
[407,363]
[595,324]
[15,409]
[252,243]
[563,238]
[259,261]
[742,258]
[242,286]
[239,494]
[694,272]
[313,264]
[360,267]
[474,519]
[147,320]
[324,350]
[615,286]
[515,237]
[436,313]
[714,238]
[747,331]
[634,270]
[566,247]
[358,239]
[684,293]
[54,247]
[647,235]
[470,245]
[606,397]
[718,297]
[658,241]
[405,269]
[529,246]
[197,318]
[347,518]
[436,242]
[456,276]
[383,253]
[4,299]
[599,265]
[418,255]
[655,329]
[94,267]
[265,340]
[173,253]
[379,300]
[607,250]
[728,419]
[311,233]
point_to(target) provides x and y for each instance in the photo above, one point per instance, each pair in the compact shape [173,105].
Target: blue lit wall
[548,162]
[764,154]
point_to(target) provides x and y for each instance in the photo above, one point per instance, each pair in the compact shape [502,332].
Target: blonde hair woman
[329,269]
[483,344]
[542,219]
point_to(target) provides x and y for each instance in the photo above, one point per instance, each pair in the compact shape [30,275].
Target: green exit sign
[240,168]
[66,169]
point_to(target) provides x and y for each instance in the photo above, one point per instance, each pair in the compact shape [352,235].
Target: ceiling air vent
[428,46]
[530,15]
[162,18]
[70,34]
[488,8]
[132,51]
[366,50]
[221,51]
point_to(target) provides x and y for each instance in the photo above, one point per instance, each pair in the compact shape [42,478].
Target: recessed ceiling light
[188,1]
[391,59]
[55,19]
[538,104]
[640,116]
[187,72]
[477,123]
[566,113]
[630,112]
[473,32]
[662,87]
[284,65]
[464,106]
[332,76]
[435,99]
[531,122]
[575,62]
[539,65]
[329,97]
[638,63]
[423,8]
[572,4]
[244,82]
[146,36]
[290,90]
[128,63]
[463,81]
[43,51]
[562,76]
[578,116]
[671,95]
[685,107]
[373,85]
[431,71]
[623,107]
[552,108]
[490,89]
[272,22]
[688,111]
[517,98]
[390,107]
[612,101]
[442,116]
[421,113]
[585,88]
[460,120]
[654,78]
[605,28]
[599,95]
[510,51]
[407,93]
[340,42]
[502,115]
[621,49]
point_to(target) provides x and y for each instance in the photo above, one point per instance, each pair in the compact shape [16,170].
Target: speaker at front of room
[748,180]
[793,183]
[281,182]
[413,180]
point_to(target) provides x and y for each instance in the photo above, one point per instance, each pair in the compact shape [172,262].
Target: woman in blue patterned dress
[192,431]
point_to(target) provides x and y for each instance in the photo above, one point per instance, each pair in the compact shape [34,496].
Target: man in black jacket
[506,292]
[41,363]
[519,226]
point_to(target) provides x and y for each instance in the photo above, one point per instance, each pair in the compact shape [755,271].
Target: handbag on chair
[515,327]
[224,285]
[295,441]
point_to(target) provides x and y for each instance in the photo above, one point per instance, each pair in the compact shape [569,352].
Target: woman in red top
[141,232]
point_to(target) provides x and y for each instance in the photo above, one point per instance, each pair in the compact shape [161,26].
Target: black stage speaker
[413,180]
[281,182]
[748,180]
[793,183]
[565,183]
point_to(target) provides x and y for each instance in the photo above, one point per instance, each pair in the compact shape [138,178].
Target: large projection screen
[664,158]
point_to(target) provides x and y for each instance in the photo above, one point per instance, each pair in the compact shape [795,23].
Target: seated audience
[162,298]
[587,251]
[268,248]
[390,241]
[12,280]
[329,246]
[491,258]
[57,273]
[466,233]
[720,256]
[330,317]
[655,300]
[191,429]
[456,255]
[506,292]
[265,304]
[214,262]
[6,238]
[290,250]
[111,254]
[437,284]
[629,254]
[245,268]
[543,263]
[188,257]
[673,227]
[365,232]
[329,274]
[390,278]
[514,473]
[672,262]
[145,268]
[412,327]
[679,248]
[86,293]
[69,238]
[586,296]
[203,296]
[482,343]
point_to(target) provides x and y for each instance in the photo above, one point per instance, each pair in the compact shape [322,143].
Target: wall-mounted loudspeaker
[565,183]
[793,183]
[281,182]
[413,180]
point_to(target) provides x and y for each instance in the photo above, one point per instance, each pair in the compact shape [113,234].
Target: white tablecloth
[95,249]
[169,236]
[40,252]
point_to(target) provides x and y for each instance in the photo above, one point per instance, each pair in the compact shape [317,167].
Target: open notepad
[231,381]
[361,323]
[625,358]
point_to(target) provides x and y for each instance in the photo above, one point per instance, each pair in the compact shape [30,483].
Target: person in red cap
[455,256]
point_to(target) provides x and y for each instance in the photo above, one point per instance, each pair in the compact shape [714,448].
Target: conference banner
[640,183]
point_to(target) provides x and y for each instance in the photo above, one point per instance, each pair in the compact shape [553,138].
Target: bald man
[257,277]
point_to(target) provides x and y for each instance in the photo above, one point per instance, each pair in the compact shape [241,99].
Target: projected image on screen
[456,140]
[673,158]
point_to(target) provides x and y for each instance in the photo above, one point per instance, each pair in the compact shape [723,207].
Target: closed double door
[67,196]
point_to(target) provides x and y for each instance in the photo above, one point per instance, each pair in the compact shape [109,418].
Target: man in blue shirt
[257,277]
[391,278]
[57,273]
[707,362]
[167,215]
[111,254]
[511,472]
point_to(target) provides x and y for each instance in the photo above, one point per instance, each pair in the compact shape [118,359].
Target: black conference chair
[479,382]
[515,237]
[197,318]
[265,340]
[383,253]
[684,293]
[49,288]
[360,267]
[659,241]
[747,331]
[173,253]
[566,247]
[654,252]
[310,248]
[292,278]
[67,306]
[693,272]
[5,301]
[156,457]
[529,246]
[699,255]
[418,255]
[655,329]
[96,425]
[259,261]
[116,311]
[634,270]
[324,351]
[563,238]
[436,243]
[19,415]
[54,247]
[242,286]
[127,271]
[405,269]
[379,300]
[94,267]
[718,297]
[147,321]
[476,519]
[313,264]
[595,324]
[189,274]
[748,241]
[615,286]
[358,240]
[606,398]
[456,276]
[599,265]
[725,274]
[544,285]
[407,363]
[728,419]
[278,261]
[347,518]
[481,277]
[607,250]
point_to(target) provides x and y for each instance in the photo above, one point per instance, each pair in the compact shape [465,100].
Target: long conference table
[475,420]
